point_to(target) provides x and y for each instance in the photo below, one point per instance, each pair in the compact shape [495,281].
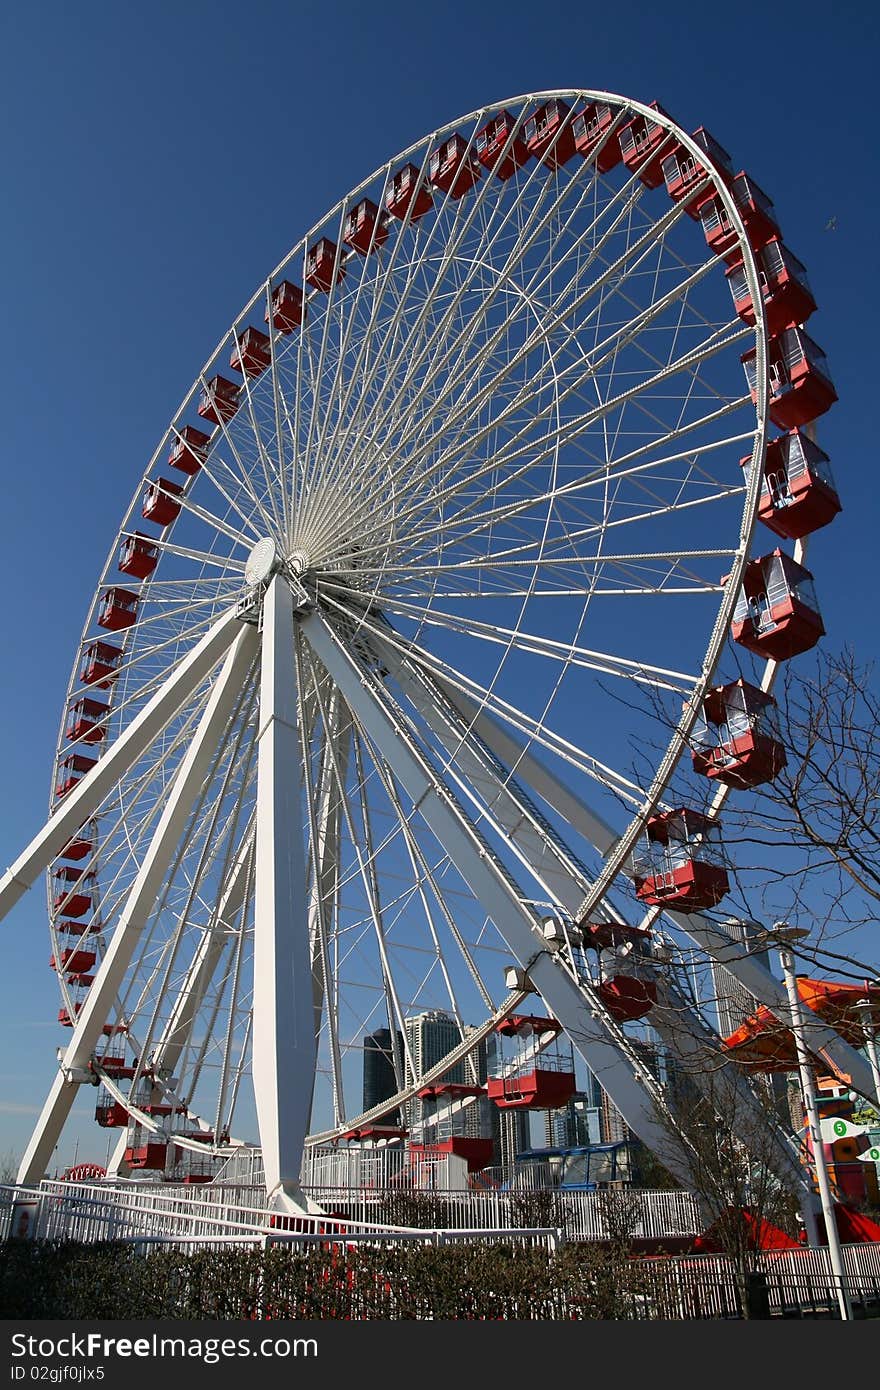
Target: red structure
[159,503]
[626,992]
[680,863]
[498,148]
[452,168]
[320,261]
[219,400]
[85,721]
[100,665]
[777,614]
[548,134]
[189,450]
[739,744]
[447,1127]
[70,770]
[252,354]
[73,891]
[83,842]
[682,171]
[407,193]
[798,495]
[590,132]
[801,388]
[117,609]
[365,228]
[110,1113]
[138,556]
[788,299]
[530,1076]
[757,213]
[288,309]
[72,960]
[644,145]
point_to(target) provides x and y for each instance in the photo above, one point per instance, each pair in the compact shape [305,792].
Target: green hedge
[70,1280]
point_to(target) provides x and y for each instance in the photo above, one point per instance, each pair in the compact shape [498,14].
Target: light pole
[866,1008]
[783,935]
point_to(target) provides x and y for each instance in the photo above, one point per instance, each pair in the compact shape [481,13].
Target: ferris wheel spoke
[627,669]
[543,331]
[207,834]
[272,479]
[527,235]
[323,806]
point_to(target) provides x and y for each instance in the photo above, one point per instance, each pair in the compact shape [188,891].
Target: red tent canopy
[761,1234]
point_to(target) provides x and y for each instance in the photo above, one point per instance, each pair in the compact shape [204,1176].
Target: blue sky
[160,160]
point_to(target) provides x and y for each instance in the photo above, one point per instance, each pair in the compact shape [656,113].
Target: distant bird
[831,224]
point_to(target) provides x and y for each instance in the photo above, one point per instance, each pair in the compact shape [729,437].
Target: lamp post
[866,1008]
[783,935]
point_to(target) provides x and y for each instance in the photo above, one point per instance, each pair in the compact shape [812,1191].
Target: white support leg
[634,1090]
[138,906]
[87,795]
[284,1044]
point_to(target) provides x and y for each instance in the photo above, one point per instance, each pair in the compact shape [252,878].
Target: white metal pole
[811,1111]
[284,1045]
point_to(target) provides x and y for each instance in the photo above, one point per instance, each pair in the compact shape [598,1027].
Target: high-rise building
[379,1077]
[431,1036]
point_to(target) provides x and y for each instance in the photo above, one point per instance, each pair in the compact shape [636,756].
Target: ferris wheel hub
[262,562]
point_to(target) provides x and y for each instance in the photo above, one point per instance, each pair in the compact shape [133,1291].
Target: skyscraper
[379,1078]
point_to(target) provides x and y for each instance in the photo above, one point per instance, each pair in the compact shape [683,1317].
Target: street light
[867,1008]
[783,934]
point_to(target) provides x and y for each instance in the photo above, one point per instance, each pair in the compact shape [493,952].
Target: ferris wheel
[414,618]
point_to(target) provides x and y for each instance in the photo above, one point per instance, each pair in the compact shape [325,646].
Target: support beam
[85,798]
[141,900]
[284,1045]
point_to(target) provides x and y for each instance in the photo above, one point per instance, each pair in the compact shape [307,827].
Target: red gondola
[117,609]
[446,1127]
[288,308]
[451,168]
[680,864]
[85,721]
[627,990]
[496,149]
[72,960]
[407,193]
[73,890]
[644,144]
[138,556]
[83,842]
[777,614]
[529,1076]
[755,209]
[548,134]
[798,495]
[189,450]
[365,228]
[320,261]
[219,400]
[252,353]
[100,665]
[682,171]
[785,290]
[159,504]
[591,139]
[739,744]
[70,770]
[801,388]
